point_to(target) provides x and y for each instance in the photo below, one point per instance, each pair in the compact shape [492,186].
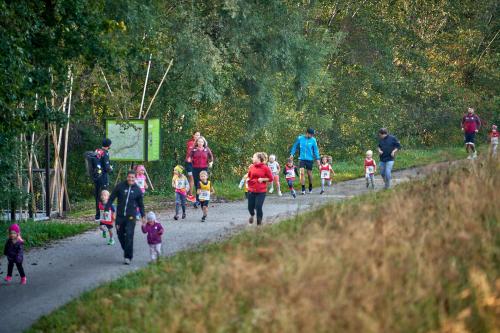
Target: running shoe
[191,198]
[127,261]
[294,194]
[320,192]
[111,241]
[8,278]
[23,280]
[183,216]
[250,220]
[104,234]
[304,192]
[271,190]
[176,217]
[280,194]
[203,218]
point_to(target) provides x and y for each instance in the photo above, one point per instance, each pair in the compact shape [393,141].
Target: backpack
[93,164]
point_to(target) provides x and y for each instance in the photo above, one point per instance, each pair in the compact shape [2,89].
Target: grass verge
[421,258]
[38,233]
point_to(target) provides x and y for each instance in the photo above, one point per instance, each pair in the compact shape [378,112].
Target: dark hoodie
[14,251]
[256,171]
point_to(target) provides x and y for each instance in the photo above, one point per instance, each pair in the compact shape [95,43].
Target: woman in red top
[259,175]
[201,158]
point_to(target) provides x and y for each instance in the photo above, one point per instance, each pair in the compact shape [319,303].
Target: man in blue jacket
[388,146]
[308,153]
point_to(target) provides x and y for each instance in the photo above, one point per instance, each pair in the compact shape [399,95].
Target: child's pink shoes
[8,278]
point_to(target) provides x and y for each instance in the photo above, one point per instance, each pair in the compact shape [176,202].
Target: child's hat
[15,228]
[140,167]
[151,216]
[179,169]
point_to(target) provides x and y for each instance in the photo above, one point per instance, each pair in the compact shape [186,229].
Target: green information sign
[134,140]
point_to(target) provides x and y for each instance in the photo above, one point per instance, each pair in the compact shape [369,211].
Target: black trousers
[20,269]
[125,226]
[99,185]
[196,179]
[255,203]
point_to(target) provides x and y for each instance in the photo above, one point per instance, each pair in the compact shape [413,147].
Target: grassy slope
[423,257]
[40,232]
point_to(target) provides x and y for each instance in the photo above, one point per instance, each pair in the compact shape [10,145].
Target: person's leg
[205,210]
[251,205]
[310,177]
[196,179]
[10,268]
[189,172]
[277,182]
[110,232]
[97,192]
[120,230]
[177,204]
[323,185]
[158,250]
[259,203]
[382,171]
[183,206]
[129,227]
[152,252]
[494,149]
[388,176]
[20,269]
[372,180]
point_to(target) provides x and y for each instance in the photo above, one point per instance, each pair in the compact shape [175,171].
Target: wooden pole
[107,85]
[47,170]
[145,86]
[149,180]
[64,195]
[158,89]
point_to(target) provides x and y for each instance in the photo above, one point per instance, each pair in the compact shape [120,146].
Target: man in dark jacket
[129,197]
[101,180]
[388,145]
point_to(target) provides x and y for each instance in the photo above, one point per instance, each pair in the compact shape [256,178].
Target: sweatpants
[255,203]
[125,231]
[155,251]
[20,269]
[180,202]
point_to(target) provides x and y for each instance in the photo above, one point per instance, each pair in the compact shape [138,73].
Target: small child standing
[290,172]
[494,134]
[244,184]
[275,169]
[370,169]
[154,230]
[181,185]
[140,178]
[107,217]
[14,252]
[326,173]
[205,190]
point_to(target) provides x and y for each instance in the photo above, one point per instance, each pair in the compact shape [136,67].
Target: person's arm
[144,229]
[294,147]
[478,123]
[374,166]
[5,248]
[188,188]
[315,150]
[212,189]
[397,146]
[279,167]
[106,163]
[160,231]
[20,251]
[380,152]
[140,204]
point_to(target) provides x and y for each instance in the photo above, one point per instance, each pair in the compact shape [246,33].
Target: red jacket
[189,147]
[255,172]
[471,123]
[201,157]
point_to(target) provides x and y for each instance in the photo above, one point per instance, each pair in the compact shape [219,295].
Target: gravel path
[65,269]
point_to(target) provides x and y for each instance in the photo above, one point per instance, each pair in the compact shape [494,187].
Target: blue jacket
[308,148]
[387,145]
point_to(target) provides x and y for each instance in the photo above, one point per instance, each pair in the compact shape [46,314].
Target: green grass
[430,267]
[39,233]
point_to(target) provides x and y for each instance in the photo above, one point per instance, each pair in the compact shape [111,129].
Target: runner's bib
[105,216]
[204,195]
[290,173]
[325,174]
[180,184]
[370,169]
[140,182]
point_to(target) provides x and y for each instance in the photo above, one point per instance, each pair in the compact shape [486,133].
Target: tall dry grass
[422,258]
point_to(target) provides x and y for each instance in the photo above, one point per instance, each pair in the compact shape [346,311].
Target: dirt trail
[67,268]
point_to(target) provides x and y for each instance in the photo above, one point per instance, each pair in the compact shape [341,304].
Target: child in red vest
[326,173]
[107,217]
[370,169]
[290,171]
[494,140]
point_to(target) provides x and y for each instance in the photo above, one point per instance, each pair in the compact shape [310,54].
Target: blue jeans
[385,171]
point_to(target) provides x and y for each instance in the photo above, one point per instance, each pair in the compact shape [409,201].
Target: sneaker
[474,156]
[176,217]
[469,157]
[320,192]
[250,220]
[97,220]
[8,278]
[303,192]
[294,194]
[183,216]
[203,218]
[367,184]
[310,191]
[196,204]
[271,190]
[126,261]
[103,234]
[280,194]
[111,241]
[23,280]
[191,198]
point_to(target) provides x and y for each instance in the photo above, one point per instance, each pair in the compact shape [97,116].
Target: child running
[205,190]
[107,217]
[14,252]
[244,184]
[290,172]
[370,169]
[181,185]
[494,140]
[326,173]
[275,169]
[154,230]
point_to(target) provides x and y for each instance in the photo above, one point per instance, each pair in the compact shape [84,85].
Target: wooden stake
[66,197]
[149,180]
[145,86]
[159,87]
